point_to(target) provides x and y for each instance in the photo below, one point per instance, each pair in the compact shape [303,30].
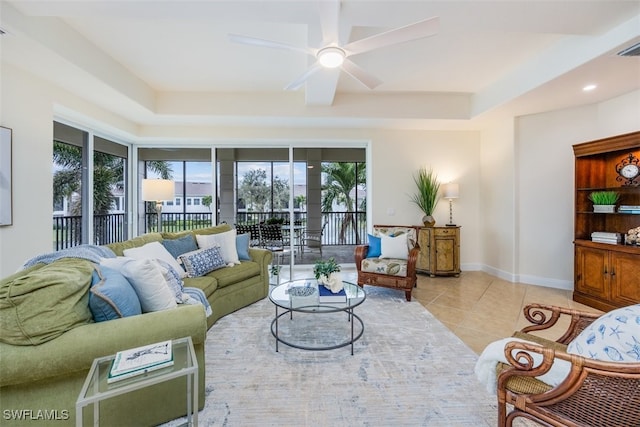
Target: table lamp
[451,191]
[157,190]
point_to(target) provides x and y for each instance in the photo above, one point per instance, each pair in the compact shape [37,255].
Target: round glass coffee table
[311,330]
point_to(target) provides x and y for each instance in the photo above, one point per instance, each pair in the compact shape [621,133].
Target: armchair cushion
[389,266]
[614,336]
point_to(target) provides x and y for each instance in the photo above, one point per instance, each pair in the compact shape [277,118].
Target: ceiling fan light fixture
[331,57]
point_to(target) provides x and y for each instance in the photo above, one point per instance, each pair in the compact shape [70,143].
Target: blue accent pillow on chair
[375,247]
[111,296]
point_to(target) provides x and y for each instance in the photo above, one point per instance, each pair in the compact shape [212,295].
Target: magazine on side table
[140,360]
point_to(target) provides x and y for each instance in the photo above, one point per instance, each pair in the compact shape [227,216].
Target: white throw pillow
[394,247]
[226,241]
[155,250]
[613,337]
[145,275]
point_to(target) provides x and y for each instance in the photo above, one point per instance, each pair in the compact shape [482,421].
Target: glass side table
[96,388]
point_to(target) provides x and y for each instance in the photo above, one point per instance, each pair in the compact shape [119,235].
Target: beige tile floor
[480,308]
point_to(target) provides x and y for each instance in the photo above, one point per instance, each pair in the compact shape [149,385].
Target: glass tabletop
[304,295]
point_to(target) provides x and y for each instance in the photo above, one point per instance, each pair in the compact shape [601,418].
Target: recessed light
[589,88]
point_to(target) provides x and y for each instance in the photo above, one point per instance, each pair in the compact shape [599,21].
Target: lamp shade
[157,189]
[451,191]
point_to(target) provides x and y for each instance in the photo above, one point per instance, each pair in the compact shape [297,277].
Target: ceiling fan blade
[418,30]
[329,11]
[236,38]
[361,75]
[297,83]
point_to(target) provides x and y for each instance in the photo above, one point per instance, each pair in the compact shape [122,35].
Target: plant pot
[428,221]
[604,208]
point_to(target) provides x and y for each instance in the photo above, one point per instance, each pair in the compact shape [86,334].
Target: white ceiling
[170,62]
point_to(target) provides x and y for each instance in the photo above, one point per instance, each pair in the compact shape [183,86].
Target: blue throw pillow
[182,245]
[242,246]
[111,296]
[375,247]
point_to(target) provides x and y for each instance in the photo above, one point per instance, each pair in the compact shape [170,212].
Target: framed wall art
[6,208]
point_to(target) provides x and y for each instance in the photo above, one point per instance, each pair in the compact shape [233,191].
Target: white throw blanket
[485,368]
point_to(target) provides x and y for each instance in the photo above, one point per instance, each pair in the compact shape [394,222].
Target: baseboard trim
[546,282]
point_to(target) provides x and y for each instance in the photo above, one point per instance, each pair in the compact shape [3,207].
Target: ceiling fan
[333,55]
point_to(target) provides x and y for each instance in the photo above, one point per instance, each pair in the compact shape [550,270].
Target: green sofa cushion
[206,284]
[232,275]
[42,303]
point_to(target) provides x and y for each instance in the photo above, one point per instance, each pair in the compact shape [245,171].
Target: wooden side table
[439,251]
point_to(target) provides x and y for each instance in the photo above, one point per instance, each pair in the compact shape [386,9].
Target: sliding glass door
[309,190]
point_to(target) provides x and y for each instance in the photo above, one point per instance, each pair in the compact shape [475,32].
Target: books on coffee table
[325,295]
[140,360]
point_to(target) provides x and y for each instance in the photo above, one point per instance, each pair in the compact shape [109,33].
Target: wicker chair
[403,278]
[253,230]
[595,393]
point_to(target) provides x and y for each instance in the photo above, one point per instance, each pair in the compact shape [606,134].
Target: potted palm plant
[427,195]
[604,201]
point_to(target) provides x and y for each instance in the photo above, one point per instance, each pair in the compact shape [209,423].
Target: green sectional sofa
[42,371]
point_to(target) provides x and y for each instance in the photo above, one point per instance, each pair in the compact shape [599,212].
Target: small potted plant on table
[327,273]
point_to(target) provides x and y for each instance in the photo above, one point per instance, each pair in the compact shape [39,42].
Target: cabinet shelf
[632,249]
[625,188]
[607,213]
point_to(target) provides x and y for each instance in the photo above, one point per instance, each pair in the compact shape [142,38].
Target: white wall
[454,156]
[545,182]
[497,201]
[29,114]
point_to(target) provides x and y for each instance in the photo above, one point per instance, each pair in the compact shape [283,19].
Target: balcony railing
[343,228]
[176,222]
[67,230]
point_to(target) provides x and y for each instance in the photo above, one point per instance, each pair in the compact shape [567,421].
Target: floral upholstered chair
[389,260]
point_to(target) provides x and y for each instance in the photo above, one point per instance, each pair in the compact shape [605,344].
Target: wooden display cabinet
[439,251]
[606,276]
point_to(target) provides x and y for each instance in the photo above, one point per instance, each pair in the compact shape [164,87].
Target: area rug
[407,370]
